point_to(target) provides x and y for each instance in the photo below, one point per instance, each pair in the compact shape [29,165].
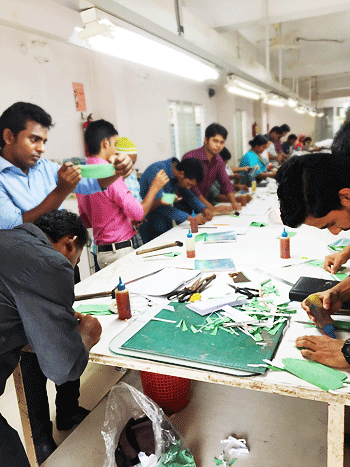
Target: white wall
[135,99]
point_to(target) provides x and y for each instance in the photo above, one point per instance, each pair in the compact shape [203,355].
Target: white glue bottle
[190,245]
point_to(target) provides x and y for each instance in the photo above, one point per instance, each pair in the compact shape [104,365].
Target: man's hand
[136,223]
[333,262]
[208,214]
[222,208]
[244,169]
[331,302]
[123,165]
[201,219]
[69,176]
[323,350]
[89,328]
[160,180]
[235,206]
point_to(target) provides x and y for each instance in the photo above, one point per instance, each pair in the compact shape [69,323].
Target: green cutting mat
[224,349]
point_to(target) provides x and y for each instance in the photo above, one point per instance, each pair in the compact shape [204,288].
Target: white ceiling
[309,19]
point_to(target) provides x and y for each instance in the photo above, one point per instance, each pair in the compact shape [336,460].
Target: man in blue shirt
[29,187]
[183,176]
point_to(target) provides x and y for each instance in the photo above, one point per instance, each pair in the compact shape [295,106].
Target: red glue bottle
[123,301]
[285,245]
[190,245]
[194,223]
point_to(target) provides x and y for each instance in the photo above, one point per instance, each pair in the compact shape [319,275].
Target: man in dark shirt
[288,145]
[214,168]
[36,297]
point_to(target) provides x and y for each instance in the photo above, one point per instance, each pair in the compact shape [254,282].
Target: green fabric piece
[172,254]
[201,236]
[97,170]
[258,337]
[93,309]
[214,332]
[315,373]
[176,457]
[194,329]
[233,461]
[275,329]
[184,326]
[179,324]
[218,461]
[340,275]
[258,224]
[319,264]
[168,198]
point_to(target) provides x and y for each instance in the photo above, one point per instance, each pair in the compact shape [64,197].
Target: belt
[113,246]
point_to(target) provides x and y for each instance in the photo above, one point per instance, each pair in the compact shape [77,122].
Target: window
[186,126]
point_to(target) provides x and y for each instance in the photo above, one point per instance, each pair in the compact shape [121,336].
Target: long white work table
[257,248]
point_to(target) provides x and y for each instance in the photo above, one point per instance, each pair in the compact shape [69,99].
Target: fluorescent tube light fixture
[137,48]
[242,92]
[273,99]
[292,102]
[246,85]
[312,113]
[300,109]
[320,114]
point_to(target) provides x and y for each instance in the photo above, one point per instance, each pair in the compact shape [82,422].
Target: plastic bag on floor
[137,433]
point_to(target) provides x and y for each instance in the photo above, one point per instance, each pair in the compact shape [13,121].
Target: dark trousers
[12,453]
[34,381]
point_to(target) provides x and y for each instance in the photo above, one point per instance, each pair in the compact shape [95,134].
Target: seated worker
[275,136]
[234,173]
[278,145]
[214,168]
[307,143]
[299,144]
[110,213]
[215,196]
[39,311]
[29,187]
[253,157]
[126,146]
[314,189]
[182,177]
[288,146]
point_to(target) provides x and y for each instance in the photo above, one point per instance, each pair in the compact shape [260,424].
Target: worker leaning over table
[36,297]
[29,187]
[182,177]
[315,190]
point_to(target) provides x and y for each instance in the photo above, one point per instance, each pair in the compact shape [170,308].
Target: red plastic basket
[171,393]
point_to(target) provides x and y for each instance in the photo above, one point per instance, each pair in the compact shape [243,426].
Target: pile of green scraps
[176,457]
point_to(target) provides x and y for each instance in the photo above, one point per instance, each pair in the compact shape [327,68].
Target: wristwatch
[346,350]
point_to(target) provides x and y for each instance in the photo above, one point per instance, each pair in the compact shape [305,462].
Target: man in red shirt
[214,168]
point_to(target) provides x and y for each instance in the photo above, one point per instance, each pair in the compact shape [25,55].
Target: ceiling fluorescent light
[137,48]
[274,101]
[292,102]
[312,113]
[249,86]
[242,92]
[320,114]
[300,109]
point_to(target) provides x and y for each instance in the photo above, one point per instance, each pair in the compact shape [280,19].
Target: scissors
[248,292]
[184,294]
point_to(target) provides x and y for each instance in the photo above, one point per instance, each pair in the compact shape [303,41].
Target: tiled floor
[280,431]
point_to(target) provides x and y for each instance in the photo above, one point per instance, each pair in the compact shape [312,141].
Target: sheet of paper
[205,307]
[237,315]
[163,282]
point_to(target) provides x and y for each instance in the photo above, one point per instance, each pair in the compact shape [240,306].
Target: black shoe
[68,423]
[44,449]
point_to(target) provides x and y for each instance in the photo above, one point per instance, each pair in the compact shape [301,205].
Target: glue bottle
[190,245]
[194,223]
[284,245]
[243,198]
[322,317]
[123,301]
[253,185]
